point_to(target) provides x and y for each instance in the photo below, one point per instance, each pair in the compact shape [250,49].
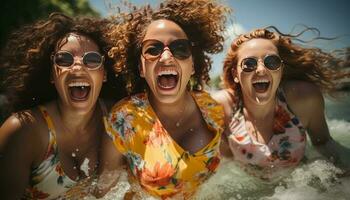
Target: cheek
[98,77]
[187,67]
[278,75]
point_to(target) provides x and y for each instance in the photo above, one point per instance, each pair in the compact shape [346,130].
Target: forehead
[164,30]
[257,48]
[75,42]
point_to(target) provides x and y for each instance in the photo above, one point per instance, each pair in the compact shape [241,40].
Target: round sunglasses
[271,62]
[152,49]
[64,59]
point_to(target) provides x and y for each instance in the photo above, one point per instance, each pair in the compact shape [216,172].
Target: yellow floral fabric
[163,167]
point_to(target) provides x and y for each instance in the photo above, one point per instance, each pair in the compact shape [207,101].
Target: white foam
[85,166]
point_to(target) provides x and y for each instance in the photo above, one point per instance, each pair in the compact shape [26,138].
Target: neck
[259,111]
[75,121]
[175,110]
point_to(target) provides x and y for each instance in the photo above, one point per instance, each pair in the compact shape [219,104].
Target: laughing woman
[169,133]
[54,73]
[273,99]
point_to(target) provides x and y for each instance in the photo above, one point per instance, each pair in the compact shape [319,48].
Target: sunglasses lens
[249,64]
[92,60]
[152,49]
[272,62]
[63,59]
[180,49]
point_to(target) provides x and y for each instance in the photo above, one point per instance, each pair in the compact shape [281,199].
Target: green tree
[16,13]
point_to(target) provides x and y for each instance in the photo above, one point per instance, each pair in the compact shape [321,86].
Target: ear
[234,75]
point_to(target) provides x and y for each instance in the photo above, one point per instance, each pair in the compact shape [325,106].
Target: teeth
[167,72]
[261,81]
[78,84]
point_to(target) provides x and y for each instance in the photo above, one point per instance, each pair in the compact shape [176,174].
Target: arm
[16,157]
[224,98]
[308,105]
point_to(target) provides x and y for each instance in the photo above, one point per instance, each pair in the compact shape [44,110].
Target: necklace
[83,168]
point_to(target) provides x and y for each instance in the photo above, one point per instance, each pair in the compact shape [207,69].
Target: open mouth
[79,91]
[167,79]
[261,86]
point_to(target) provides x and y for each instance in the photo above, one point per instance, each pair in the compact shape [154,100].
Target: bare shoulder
[20,145]
[10,128]
[21,129]
[220,96]
[224,97]
[304,98]
[301,90]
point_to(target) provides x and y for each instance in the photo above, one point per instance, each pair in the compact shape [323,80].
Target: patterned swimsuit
[285,149]
[162,167]
[48,180]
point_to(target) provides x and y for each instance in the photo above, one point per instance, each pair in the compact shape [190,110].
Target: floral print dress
[48,180]
[285,149]
[162,167]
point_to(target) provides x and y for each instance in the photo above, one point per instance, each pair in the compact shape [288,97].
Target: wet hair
[203,21]
[299,63]
[26,59]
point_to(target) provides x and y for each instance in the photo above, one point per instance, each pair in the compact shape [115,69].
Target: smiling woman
[55,70]
[273,99]
[169,129]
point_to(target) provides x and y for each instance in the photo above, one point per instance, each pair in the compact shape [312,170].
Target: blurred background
[331,17]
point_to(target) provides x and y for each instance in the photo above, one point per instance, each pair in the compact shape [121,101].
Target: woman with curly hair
[273,98]
[169,129]
[55,70]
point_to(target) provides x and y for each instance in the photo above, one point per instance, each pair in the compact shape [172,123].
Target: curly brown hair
[203,21]
[26,63]
[300,63]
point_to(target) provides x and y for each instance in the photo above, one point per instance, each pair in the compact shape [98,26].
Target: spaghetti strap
[52,133]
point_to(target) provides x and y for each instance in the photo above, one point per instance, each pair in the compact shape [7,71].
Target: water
[316,179]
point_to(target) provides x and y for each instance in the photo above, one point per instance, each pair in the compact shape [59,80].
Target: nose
[166,55]
[78,64]
[260,69]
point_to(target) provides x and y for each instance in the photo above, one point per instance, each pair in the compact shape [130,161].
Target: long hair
[203,21]
[300,63]
[26,64]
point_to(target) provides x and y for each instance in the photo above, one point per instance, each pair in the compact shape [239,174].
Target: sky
[331,17]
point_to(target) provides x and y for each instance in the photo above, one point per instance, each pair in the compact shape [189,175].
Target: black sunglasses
[271,62]
[64,59]
[180,49]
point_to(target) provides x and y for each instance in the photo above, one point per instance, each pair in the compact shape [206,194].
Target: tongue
[167,81]
[79,93]
[261,87]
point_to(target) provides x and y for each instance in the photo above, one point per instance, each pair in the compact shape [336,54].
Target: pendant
[177,124]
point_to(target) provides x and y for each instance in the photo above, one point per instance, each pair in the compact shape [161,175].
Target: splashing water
[314,180]
[85,166]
